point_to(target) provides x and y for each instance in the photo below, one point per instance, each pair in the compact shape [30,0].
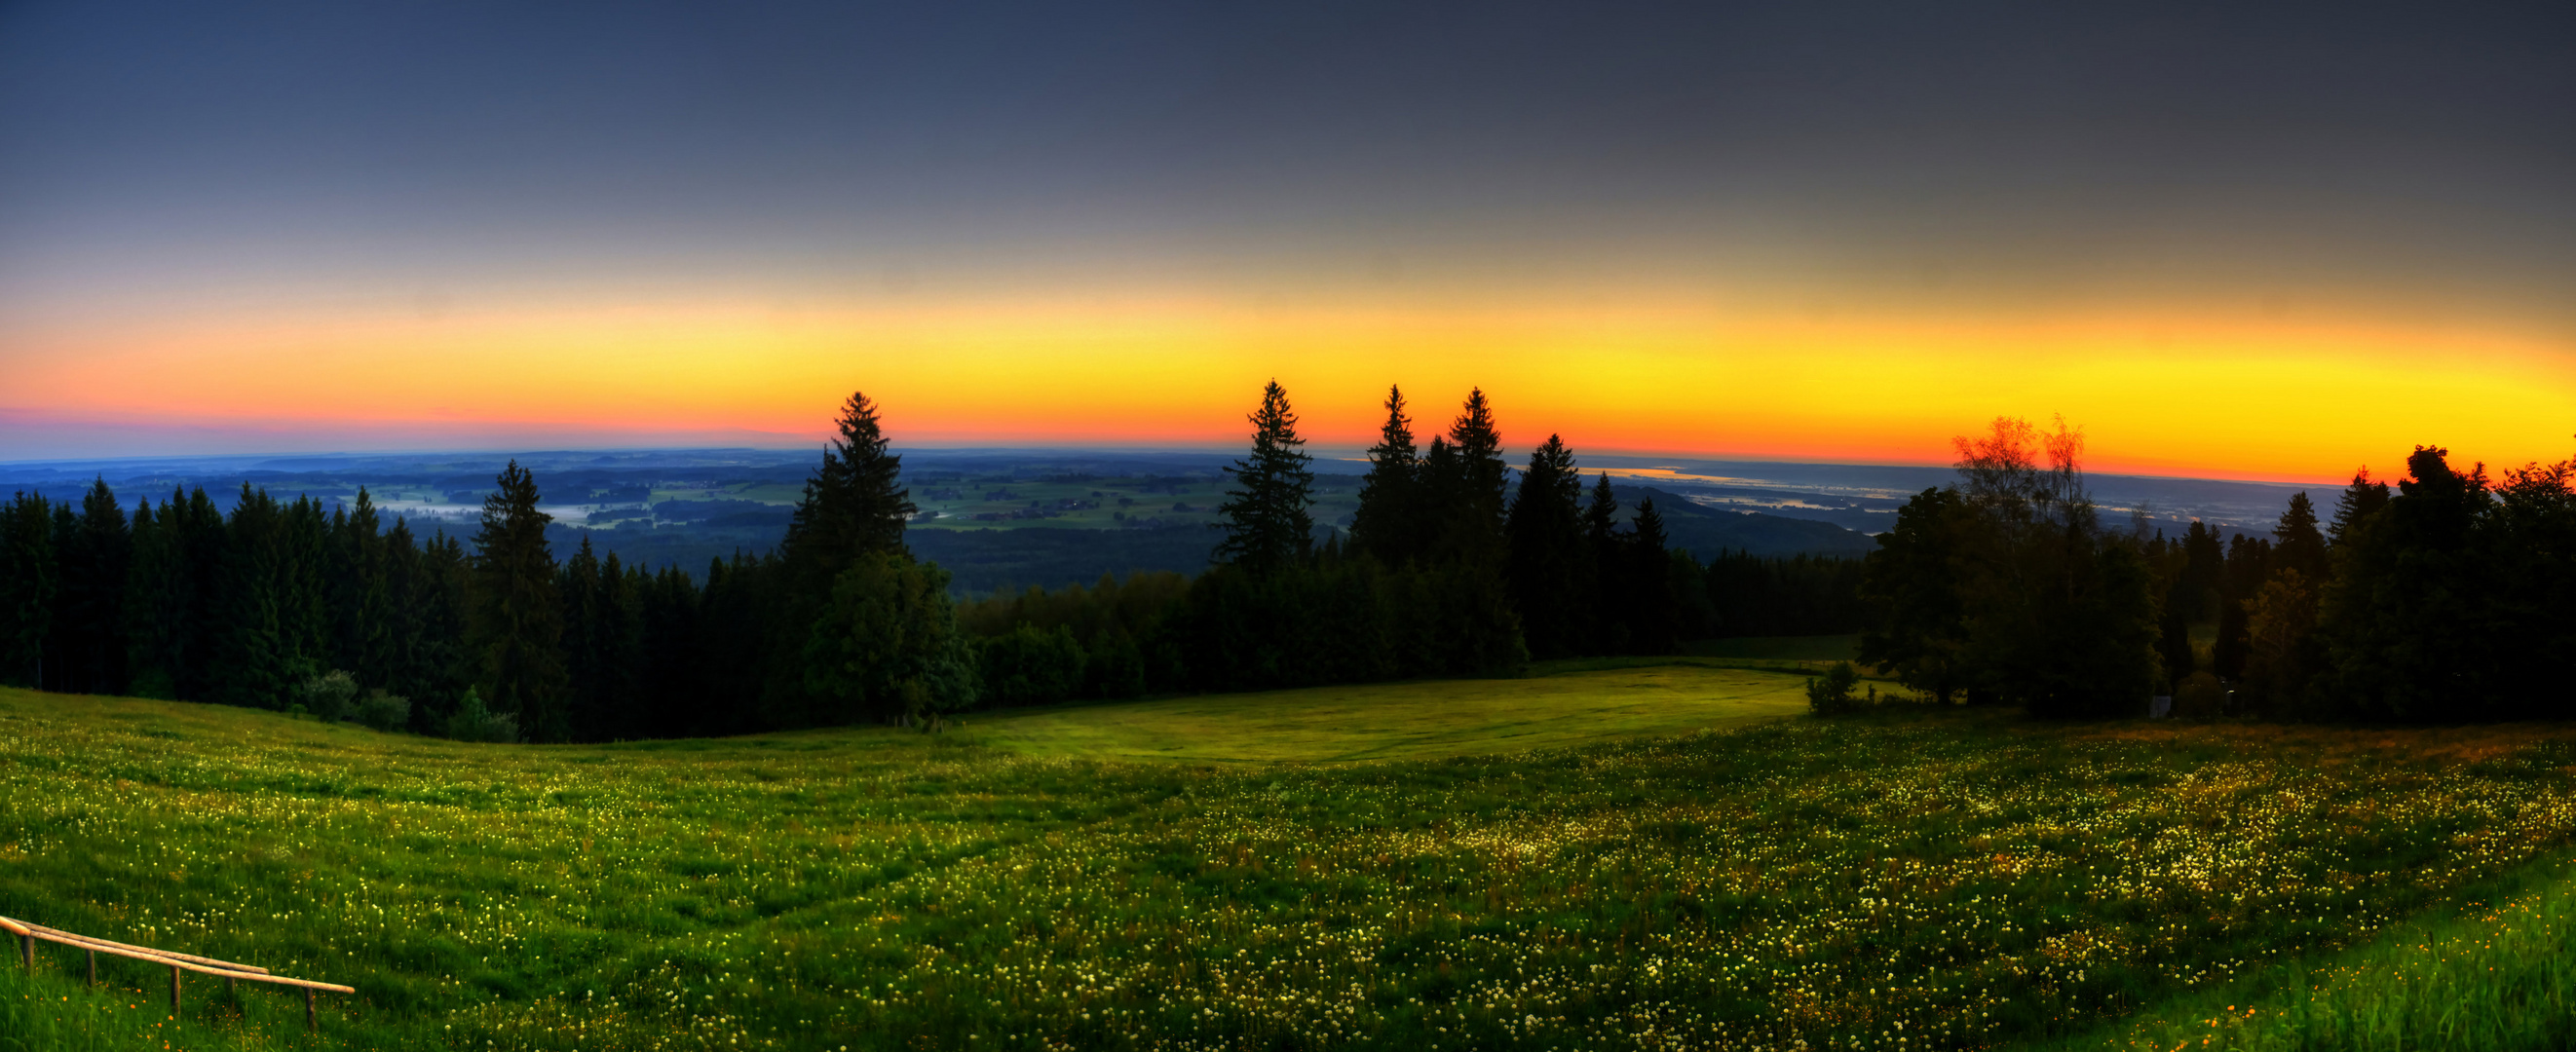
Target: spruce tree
[91,601]
[1388,522]
[200,535]
[579,586]
[1472,508]
[618,636]
[1266,522]
[27,581]
[2357,503]
[1609,569]
[1550,561]
[154,603]
[854,504]
[853,511]
[360,604]
[2296,543]
[252,660]
[517,626]
[1652,606]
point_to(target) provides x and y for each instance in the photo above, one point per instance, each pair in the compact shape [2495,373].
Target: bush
[1831,694]
[328,695]
[384,712]
[2200,696]
[474,723]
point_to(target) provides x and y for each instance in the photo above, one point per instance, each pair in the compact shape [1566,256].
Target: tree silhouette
[1267,526]
[1550,562]
[518,614]
[1388,521]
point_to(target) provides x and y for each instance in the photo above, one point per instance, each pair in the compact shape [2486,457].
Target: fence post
[309,1024]
[93,967]
[174,990]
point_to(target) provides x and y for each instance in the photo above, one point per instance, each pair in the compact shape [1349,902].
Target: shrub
[384,712]
[2200,696]
[327,696]
[474,723]
[1831,694]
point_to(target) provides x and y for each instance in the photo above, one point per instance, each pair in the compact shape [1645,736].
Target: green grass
[2498,975]
[1062,879]
[1779,648]
[1405,720]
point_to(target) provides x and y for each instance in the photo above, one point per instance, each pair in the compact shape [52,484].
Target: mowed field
[1656,856]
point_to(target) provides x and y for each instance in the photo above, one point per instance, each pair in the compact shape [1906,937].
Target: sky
[2244,241]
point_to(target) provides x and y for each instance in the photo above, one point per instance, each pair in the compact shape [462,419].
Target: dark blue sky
[151,145]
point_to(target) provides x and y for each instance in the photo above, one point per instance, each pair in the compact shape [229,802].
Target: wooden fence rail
[178,963]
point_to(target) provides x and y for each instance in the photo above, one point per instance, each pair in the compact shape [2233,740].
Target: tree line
[1454,565]
[2452,597]
[1449,569]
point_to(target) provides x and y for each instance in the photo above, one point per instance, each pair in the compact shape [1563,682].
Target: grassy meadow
[1595,857]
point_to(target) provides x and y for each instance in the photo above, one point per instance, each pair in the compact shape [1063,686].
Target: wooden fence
[178,963]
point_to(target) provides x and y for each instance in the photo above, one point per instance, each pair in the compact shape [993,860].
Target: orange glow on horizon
[2157,393]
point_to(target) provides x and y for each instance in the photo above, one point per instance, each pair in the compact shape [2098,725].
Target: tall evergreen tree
[201,532]
[2296,542]
[155,603]
[1388,521]
[618,636]
[578,583]
[2357,502]
[90,619]
[361,611]
[434,596]
[854,504]
[854,510]
[256,656]
[518,614]
[1609,570]
[306,595]
[1550,560]
[1265,518]
[1652,606]
[27,582]
[1468,489]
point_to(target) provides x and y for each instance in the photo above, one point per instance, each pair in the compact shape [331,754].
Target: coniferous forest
[2446,596]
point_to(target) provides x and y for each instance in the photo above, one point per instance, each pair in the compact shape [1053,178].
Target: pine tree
[437,603]
[360,603]
[619,638]
[91,603]
[1609,569]
[2357,503]
[252,660]
[1470,507]
[1651,603]
[27,582]
[1388,522]
[1550,562]
[201,537]
[517,627]
[853,511]
[1266,522]
[854,505]
[2296,544]
[155,601]
[579,586]
[305,594]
